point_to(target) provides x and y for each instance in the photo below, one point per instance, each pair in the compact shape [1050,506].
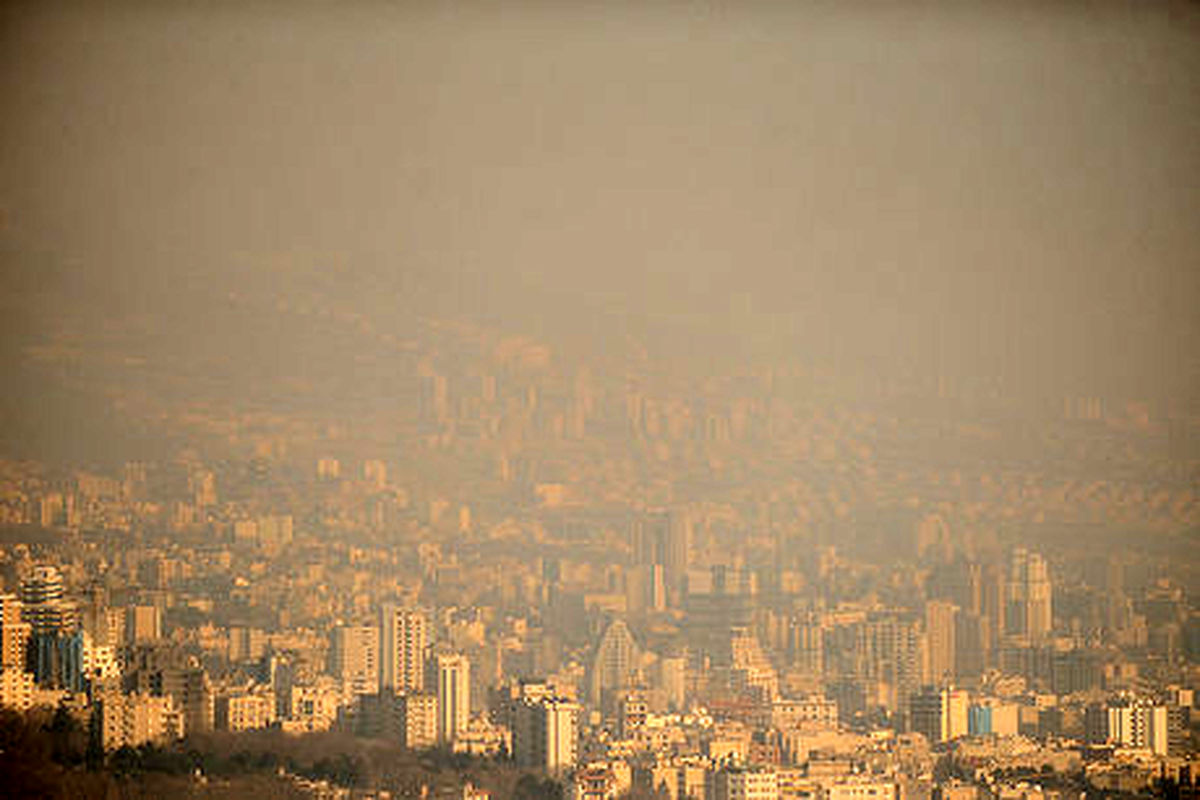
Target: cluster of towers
[40,638]
[431,693]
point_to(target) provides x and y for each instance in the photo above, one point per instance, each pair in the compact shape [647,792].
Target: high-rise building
[645,589]
[453,696]
[104,625]
[55,651]
[672,681]
[354,658]
[993,587]
[404,637]
[960,581]
[972,645]
[14,633]
[246,644]
[419,726]
[663,538]
[1028,609]
[718,599]
[1118,609]
[888,652]
[805,644]
[940,619]
[43,599]
[614,662]
[545,734]
[161,670]
[1129,722]
[193,695]
[940,714]
[135,719]
[750,670]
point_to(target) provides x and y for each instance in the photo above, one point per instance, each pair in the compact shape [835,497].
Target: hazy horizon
[963,190]
[539,400]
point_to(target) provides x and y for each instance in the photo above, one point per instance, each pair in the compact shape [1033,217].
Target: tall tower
[939,714]
[1038,611]
[972,645]
[355,658]
[663,539]
[1028,609]
[404,638]
[940,617]
[561,735]
[992,607]
[545,734]
[1117,609]
[453,696]
[43,598]
[890,651]
[806,643]
[55,657]
[419,715]
[614,662]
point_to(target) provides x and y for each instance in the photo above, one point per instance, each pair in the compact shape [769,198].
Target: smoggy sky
[1009,190]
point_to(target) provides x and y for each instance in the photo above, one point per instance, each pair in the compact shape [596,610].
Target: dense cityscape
[665,400]
[760,585]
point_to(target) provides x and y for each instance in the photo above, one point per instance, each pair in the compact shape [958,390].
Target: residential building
[453,696]
[404,637]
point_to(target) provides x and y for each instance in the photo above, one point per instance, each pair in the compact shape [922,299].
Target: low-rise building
[744,783]
[244,711]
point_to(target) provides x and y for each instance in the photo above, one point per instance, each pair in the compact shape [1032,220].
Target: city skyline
[562,401]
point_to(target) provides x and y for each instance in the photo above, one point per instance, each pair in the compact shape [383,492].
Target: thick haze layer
[1009,192]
